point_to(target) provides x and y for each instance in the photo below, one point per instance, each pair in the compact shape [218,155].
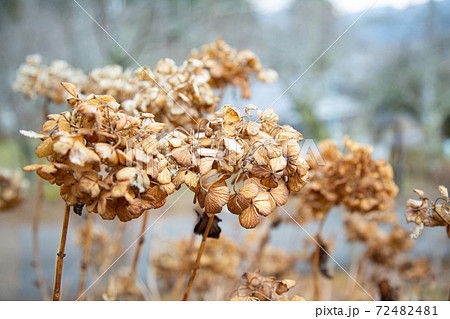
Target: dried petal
[249,218]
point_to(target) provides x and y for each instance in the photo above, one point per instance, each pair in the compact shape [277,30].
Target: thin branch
[114,247]
[40,282]
[316,274]
[360,272]
[316,259]
[265,238]
[139,245]
[87,254]
[60,254]
[199,257]
[181,278]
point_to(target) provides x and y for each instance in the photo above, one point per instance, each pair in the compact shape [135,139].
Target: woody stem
[316,275]
[114,247]
[35,233]
[199,257]
[179,284]
[315,261]
[139,246]
[87,255]
[264,241]
[35,227]
[60,254]
[359,275]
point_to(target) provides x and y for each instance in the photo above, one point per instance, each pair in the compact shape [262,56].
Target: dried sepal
[249,218]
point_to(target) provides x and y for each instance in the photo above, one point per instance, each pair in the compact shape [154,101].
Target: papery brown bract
[260,288]
[230,66]
[425,213]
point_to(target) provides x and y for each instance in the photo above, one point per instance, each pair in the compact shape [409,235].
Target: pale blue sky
[344,6]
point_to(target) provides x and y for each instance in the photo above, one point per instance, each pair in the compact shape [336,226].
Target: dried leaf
[264,203]
[323,259]
[250,189]
[444,192]
[216,197]
[237,204]
[419,192]
[45,148]
[280,194]
[230,116]
[71,88]
[202,221]
[31,134]
[249,218]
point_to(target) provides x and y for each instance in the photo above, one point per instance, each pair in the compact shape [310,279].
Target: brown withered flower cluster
[88,150]
[175,95]
[122,287]
[101,241]
[427,213]
[260,288]
[229,66]
[12,187]
[34,78]
[179,95]
[352,178]
[262,153]
[113,80]
[278,263]
[386,245]
[219,264]
[414,269]
[382,247]
[116,165]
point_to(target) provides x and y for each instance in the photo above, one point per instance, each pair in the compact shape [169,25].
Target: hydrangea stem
[87,255]
[60,259]
[40,282]
[179,284]
[139,246]
[265,238]
[35,234]
[316,275]
[315,261]
[114,247]
[199,257]
[360,271]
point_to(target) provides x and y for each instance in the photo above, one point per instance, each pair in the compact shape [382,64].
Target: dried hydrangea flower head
[101,241]
[88,151]
[262,153]
[229,66]
[260,288]
[220,263]
[414,269]
[353,178]
[369,183]
[116,165]
[321,192]
[176,95]
[382,247]
[12,187]
[115,81]
[426,213]
[34,78]
[278,262]
[122,287]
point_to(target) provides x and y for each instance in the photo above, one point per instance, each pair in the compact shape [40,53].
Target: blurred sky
[345,6]
[360,5]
